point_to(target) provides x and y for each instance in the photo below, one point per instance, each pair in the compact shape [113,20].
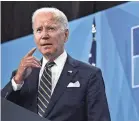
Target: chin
[45,51]
[48,53]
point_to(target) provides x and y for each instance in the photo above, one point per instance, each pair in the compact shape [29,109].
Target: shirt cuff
[15,86]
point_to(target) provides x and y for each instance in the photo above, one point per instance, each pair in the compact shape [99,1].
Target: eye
[38,30]
[51,28]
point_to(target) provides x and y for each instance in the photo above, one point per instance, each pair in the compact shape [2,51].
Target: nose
[45,35]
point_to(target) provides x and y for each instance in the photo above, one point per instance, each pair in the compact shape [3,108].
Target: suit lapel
[67,74]
[33,88]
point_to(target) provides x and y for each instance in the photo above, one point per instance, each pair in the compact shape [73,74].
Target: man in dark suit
[58,87]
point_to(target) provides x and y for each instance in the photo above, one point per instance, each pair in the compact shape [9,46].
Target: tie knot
[49,64]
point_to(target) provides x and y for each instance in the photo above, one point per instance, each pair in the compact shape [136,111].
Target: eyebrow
[52,25]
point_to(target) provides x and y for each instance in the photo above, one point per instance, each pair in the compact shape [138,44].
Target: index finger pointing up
[30,53]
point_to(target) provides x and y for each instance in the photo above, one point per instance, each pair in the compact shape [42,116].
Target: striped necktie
[45,89]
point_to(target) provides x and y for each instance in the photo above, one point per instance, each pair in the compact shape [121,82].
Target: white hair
[59,16]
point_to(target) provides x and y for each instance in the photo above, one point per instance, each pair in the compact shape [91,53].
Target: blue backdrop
[117,39]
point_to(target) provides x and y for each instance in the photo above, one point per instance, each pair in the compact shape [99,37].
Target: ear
[66,35]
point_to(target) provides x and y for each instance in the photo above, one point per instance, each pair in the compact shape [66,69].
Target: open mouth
[47,45]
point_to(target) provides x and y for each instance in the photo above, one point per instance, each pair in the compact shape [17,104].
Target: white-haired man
[58,87]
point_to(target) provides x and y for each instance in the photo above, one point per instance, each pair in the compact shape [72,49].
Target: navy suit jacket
[85,103]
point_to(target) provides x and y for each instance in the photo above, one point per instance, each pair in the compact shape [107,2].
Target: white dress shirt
[56,71]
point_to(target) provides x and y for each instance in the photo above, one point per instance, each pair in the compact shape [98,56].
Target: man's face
[48,34]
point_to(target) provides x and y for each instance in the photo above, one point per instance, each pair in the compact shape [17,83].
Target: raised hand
[28,62]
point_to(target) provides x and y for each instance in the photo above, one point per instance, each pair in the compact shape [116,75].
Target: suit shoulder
[86,66]
[87,70]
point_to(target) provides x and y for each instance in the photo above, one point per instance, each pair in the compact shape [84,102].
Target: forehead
[44,18]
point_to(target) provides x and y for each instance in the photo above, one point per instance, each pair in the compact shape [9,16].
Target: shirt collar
[60,60]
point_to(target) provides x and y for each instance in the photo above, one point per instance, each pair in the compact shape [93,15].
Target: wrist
[18,79]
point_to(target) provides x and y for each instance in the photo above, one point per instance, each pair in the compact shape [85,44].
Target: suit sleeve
[8,93]
[97,106]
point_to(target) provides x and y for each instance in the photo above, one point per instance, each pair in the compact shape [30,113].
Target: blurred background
[105,34]
[16,16]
